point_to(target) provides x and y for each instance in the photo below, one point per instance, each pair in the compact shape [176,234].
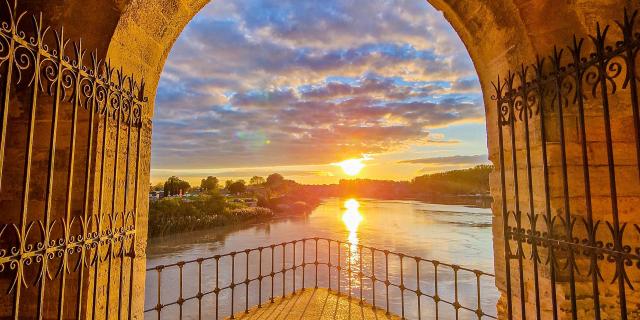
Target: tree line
[174,185]
[454,182]
[464,181]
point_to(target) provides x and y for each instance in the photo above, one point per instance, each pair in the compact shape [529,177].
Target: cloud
[372,85]
[262,98]
[239,173]
[466,85]
[450,160]
[288,82]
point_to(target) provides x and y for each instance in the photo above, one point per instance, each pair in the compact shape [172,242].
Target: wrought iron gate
[70,151]
[572,235]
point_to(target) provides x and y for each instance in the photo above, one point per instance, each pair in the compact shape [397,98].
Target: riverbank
[176,215]
[172,216]
[209,207]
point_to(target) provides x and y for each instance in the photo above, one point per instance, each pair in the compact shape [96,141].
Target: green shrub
[173,215]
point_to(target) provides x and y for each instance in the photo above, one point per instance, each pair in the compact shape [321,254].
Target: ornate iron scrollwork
[572,244]
[91,99]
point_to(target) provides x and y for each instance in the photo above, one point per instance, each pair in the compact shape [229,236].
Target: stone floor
[315,304]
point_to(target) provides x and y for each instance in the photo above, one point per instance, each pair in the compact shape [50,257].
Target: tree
[158,187]
[209,184]
[278,186]
[274,179]
[175,185]
[228,183]
[237,187]
[255,180]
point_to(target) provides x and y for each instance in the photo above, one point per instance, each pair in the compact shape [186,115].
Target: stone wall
[499,35]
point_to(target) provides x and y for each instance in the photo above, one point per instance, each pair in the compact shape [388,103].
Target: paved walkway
[315,304]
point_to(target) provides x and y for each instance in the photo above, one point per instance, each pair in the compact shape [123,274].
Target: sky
[253,87]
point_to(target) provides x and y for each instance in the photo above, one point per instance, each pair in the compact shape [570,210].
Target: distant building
[156,195]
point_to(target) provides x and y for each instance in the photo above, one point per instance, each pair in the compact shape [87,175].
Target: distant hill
[470,181]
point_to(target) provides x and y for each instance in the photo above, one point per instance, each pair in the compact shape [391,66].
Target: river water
[455,234]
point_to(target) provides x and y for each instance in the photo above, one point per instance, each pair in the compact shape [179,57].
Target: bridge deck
[315,304]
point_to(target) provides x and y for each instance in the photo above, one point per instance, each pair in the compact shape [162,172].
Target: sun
[352,204]
[352,166]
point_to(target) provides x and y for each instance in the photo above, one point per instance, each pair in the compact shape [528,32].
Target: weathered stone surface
[315,304]
[499,35]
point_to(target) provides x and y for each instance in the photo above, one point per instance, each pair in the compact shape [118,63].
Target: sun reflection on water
[352,218]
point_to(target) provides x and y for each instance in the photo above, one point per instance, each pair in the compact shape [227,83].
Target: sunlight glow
[352,166]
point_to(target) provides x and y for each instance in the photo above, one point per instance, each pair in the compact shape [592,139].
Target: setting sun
[352,166]
[352,204]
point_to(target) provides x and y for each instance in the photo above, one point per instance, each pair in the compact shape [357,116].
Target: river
[457,234]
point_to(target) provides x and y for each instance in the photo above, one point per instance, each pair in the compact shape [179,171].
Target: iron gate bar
[503,189]
[71,164]
[545,173]
[556,58]
[599,42]
[289,267]
[532,216]
[87,186]
[554,87]
[134,213]
[576,53]
[517,213]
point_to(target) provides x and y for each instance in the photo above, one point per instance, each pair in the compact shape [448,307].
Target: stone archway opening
[498,37]
[187,56]
[216,75]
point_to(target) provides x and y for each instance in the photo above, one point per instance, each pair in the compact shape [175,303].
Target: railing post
[386,278]
[246,282]
[316,262]
[418,291]
[284,272]
[159,305]
[339,267]
[373,276]
[216,291]
[260,277]
[272,272]
[436,295]
[304,259]
[402,283]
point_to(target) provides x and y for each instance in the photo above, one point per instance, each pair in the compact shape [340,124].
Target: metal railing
[411,287]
